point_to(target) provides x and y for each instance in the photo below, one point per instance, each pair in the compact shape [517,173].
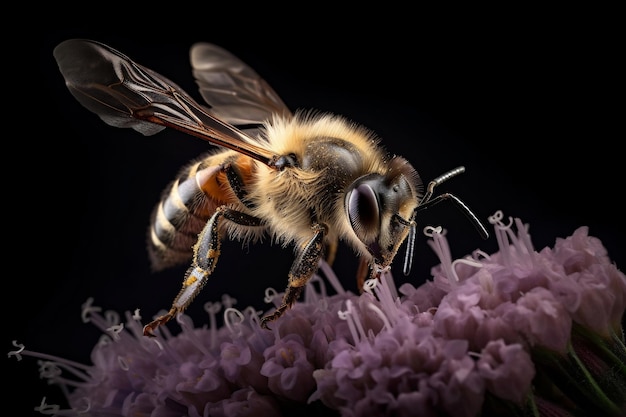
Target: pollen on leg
[190,280]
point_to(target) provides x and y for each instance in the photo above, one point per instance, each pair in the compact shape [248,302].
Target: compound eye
[363,210]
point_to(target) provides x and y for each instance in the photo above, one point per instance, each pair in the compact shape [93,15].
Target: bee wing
[235,92]
[126,94]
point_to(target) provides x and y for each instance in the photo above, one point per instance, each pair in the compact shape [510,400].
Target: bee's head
[381,209]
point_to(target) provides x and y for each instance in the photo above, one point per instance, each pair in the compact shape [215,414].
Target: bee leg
[362,272]
[205,255]
[302,270]
[331,251]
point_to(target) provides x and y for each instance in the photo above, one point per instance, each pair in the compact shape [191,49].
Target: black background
[528,108]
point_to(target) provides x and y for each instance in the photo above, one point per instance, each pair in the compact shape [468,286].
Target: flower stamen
[271,296]
[115,330]
[16,353]
[331,277]
[354,324]
[233,319]
[49,409]
[88,309]
[440,246]
[381,314]
[212,308]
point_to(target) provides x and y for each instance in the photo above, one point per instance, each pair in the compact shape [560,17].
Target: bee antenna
[428,201]
[482,230]
[410,247]
[440,179]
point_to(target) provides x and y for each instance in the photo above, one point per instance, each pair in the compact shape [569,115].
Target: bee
[307,179]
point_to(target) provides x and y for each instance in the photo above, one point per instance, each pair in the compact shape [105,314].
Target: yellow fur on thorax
[293,134]
[289,219]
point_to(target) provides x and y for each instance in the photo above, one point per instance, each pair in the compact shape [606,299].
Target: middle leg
[302,269]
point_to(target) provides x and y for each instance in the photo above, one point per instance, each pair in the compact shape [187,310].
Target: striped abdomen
[185,207]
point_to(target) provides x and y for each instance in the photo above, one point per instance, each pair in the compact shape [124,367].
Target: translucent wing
[126,94]
[235,92]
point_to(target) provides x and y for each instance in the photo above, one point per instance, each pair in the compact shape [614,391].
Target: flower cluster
[517,332]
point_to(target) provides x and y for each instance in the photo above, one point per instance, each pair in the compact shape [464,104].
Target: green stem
[598,396]
[531,406]
[618,343]
[610,350]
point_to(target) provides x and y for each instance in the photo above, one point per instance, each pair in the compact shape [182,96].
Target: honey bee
[306,179]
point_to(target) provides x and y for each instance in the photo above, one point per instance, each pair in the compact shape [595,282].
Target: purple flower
[240,364]
[506,369]
[422,299]
[540,319]
[394,365]
[470,341]
[592,288]
[289,369]
[472,312]
[245,402]
[459,385]
[579,251]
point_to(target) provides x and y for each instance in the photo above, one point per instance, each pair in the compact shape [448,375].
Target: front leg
[206,252]
[302,269]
